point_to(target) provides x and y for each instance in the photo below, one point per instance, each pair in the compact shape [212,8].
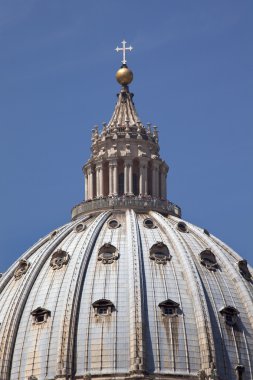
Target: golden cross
[124,49]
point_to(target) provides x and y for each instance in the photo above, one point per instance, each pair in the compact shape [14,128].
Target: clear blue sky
[192,62]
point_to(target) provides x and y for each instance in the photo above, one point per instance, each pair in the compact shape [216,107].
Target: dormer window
[208,259]
[103,307]
[206,232]
[182,227]
[230,315]
[108,254]
[53,234]
[148,223]
[59,259]
[21,269]
[40,315]
[32,377]
[169,308]
[239,371]
[80,227]
[244,270]
[159,253]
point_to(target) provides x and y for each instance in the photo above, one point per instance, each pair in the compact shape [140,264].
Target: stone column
[143,180]
[86,186]
[130,178]
[90,183]
[100,178]
[115,178]
[97,181]
[110,178]
[125,177]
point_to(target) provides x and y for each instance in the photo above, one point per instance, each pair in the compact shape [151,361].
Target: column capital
[99,163]
[113,161]
[89,169]
[164,167]
[128,161]
[144,161]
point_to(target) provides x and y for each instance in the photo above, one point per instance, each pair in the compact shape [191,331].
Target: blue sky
[192,62]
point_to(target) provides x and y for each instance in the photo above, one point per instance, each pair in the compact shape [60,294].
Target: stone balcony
[126,202]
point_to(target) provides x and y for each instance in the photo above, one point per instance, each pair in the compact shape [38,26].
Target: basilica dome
[127,289]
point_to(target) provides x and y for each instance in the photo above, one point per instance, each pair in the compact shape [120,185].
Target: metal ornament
[124,49]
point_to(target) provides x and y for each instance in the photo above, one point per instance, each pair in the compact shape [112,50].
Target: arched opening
[149,179]
[244,270]
[136,176]
[159,252]
[230,315]
[121,184]
[120,178]
[208,259]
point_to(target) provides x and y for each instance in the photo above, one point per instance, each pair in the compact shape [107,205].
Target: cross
[124,49]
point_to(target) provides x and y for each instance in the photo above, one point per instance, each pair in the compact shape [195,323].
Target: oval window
[113,223]
[80,227]
[181,226]
[148,223]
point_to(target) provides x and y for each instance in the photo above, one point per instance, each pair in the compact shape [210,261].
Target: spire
[125,164]
[125,112]
[125,117]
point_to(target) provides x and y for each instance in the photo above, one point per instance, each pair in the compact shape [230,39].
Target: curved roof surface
[155,295]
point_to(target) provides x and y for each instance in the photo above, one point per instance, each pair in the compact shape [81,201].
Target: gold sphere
[124,76]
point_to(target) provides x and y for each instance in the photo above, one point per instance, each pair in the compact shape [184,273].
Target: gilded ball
[124,76]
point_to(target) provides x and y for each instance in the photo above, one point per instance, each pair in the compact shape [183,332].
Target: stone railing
[136,203]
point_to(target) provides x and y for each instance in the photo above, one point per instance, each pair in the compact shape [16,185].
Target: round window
[181,226]
[148,223]
[80,227]
[113,223]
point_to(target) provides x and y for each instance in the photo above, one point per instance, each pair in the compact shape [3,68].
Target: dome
[127,289]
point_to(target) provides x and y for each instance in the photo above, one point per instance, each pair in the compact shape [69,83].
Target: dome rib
[67,344]
[200,306]
[137,348]
[19,299]
[218,295]
[242,289]
[223,283]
